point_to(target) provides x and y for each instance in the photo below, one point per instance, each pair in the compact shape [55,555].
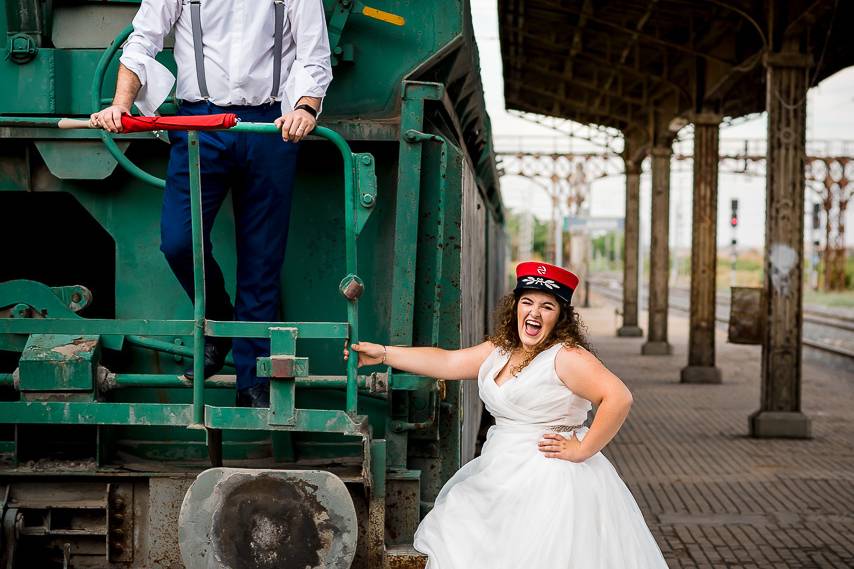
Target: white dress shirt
[238,52]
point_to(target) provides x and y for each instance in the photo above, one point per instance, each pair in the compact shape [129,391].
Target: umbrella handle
[74,123]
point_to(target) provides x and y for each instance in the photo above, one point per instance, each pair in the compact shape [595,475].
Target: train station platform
[712,496]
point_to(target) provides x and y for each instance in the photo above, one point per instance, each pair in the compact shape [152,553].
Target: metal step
[404,557]
[403,506]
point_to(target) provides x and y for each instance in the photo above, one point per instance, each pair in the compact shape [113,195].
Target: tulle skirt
[513,508]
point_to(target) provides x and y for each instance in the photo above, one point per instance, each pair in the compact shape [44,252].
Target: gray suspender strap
[196,21]
[278,30]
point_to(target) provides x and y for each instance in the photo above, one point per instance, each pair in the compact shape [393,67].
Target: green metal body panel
[57,362]
[408,101]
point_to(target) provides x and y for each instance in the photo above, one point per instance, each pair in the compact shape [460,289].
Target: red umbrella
[203,122]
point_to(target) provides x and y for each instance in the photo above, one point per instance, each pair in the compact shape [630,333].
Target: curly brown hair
[569,330]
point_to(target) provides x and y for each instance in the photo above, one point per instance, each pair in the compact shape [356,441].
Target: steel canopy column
[779,414]
[701,336]
[659,265]
[630,326]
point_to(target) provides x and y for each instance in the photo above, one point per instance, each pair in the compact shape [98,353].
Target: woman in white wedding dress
[541,495]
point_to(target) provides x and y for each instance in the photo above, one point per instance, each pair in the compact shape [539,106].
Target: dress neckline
[505,358]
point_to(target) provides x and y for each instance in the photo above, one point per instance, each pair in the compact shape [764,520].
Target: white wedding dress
[513,508]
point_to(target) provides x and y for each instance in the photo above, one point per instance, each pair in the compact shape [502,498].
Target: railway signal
[733,222]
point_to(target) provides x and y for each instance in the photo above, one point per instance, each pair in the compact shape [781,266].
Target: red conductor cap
[533,275]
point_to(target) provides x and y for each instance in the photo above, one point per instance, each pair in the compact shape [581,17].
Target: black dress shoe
[256,396]
[215,352]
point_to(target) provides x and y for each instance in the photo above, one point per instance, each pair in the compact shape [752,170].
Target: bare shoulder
[576,356]
[585,375]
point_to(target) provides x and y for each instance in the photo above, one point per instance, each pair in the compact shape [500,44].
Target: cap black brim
[561,291]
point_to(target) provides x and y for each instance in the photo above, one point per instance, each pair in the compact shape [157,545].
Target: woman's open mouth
[532,328]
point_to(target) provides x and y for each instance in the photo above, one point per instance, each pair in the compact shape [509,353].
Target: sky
[830,116]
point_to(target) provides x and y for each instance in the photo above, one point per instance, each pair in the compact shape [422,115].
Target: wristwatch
[307,108]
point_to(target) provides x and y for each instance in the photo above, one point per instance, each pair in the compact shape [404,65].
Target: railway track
[823,331]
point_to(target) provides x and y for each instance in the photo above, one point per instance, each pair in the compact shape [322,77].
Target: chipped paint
[75,347]
[783,260]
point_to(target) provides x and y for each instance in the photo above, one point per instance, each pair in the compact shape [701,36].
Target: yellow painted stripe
[383,16]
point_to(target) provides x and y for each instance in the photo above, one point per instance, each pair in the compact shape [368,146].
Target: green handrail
[198,281]
[350,205]
[95,103]
[350,251]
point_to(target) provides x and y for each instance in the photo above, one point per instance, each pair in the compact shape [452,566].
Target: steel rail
[821,346]
[810,316]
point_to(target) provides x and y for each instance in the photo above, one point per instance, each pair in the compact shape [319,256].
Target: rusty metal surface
[784,229]
[266,519]
[160,536]
[282,366]
[84,523]
[120,522]
[632,236]
[370,511]
[404,557]
[701,337]
[402,503]
[746,315]
[353,290]
[659,264]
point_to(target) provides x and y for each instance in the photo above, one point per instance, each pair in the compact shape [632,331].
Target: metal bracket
[44,302]
[21,48]
[366,188]
[76,297]
[283,342]
[338,21]
[12,522]
[351,287]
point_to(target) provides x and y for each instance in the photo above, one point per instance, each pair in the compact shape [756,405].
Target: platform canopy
[635,65]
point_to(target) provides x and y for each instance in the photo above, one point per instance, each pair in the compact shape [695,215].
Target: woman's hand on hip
[369,354]
[554,445]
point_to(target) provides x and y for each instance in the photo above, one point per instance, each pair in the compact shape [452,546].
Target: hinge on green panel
[366,188]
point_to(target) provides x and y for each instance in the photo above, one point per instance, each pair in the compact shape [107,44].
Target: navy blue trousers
[259,170]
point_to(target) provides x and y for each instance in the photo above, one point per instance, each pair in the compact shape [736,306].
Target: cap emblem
[548,283]
[541,270]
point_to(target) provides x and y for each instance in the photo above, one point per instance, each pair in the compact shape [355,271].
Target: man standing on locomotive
[266,61]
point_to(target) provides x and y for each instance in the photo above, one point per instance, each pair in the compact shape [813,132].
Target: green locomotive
[397,236]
